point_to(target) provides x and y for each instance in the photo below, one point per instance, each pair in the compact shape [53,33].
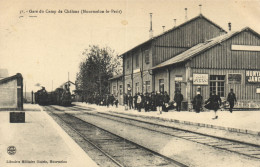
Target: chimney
[163,28]
[151,26]
[174,22]
[229,26]
[200,8]
[186,14]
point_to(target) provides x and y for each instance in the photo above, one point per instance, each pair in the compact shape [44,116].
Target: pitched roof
[186,55]
[5,80]
[67,83]
[173,29]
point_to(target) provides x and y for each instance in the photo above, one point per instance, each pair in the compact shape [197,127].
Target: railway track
[242,148]
[113,148]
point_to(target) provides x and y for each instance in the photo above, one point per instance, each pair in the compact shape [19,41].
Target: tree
[98,65]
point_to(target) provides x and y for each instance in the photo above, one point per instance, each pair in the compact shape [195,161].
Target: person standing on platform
[213,103]
[130,101]
[197,102]
[160,101]
[146,102]
[139,102]
[126,101]
[112,99]
[116,103]
[178,97]
[153,102]
[135,101]
[231,99]
[166,99]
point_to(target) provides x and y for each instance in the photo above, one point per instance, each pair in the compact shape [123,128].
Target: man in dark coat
[197,102]
[112,99]
[135,101]
[231,99]
[166,99]
[146,102]
[178,97]
[116,103]
[130,101]
[153,102]
[213,103]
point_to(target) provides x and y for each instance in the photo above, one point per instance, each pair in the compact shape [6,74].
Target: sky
[47,47]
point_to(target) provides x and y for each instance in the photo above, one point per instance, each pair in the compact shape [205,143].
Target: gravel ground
[181,150]
[202,118]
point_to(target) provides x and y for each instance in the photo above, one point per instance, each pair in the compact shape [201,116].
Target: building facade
[116,88]
[197,55]
[11,89]
[137,62]
[230,61]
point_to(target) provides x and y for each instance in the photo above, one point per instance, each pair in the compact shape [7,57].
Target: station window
[121,89]
[127,64]
[161,85]
[137,89]
[128,88]
[147,86]
[146,53]
[177,86]
[114,90]
[217,85]
[137,60]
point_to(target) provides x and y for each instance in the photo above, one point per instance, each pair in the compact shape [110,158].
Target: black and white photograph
[129,83]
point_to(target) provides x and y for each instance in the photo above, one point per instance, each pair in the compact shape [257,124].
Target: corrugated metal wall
[179,40]
[243,91]
[221,56]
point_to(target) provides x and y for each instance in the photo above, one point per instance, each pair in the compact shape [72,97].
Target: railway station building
[197,55]
[11,89]
[116,87]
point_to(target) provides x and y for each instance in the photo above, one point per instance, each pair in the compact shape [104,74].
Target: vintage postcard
[88,83]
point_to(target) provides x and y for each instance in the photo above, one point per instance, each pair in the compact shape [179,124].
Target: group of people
[148,101]
[161,101]
[103,100]
[214,102]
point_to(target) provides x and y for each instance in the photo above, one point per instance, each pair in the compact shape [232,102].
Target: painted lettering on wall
[200,79]
[252,76]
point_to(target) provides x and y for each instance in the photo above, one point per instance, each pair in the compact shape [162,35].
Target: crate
[17,117]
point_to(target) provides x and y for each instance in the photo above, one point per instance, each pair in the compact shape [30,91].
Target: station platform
[40,141]
[244,122]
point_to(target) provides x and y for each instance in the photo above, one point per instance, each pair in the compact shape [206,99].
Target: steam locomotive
[61,96]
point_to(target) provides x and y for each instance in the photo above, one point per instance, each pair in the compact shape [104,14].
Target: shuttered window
[147,58]
[127,64]
[137,89]
[121,89]
[147,86]
[136,60]
[161,85]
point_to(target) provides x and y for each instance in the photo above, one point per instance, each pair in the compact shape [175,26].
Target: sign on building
[200,79]
[245,48]
[234,78]
[252,77]
[257,90]
[178,78]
